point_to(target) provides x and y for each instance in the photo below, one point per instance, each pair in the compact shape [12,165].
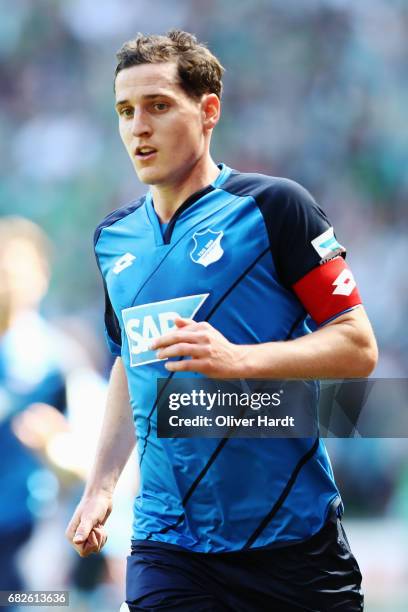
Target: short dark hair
[199,71]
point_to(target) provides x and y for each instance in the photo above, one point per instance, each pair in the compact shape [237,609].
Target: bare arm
[344,348]
[117,439]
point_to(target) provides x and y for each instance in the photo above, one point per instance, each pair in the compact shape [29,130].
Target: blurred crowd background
[314,90]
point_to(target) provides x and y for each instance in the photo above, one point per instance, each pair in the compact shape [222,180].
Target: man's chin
[148,176]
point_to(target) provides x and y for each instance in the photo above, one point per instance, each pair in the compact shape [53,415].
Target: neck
[168,198]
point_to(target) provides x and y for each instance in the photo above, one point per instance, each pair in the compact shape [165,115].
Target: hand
[38,424]
[209,351]
[86,531]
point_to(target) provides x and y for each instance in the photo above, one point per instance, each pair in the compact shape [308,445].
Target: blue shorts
[319,574]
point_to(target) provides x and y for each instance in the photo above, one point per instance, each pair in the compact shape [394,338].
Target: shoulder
[283,203]
[117,215]
[266,189]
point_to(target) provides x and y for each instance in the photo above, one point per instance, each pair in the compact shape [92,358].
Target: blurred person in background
[31,378]
[46,378]
[168,100]
[46,375]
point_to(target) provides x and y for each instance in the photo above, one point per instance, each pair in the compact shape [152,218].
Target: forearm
[338,350]
[117,437]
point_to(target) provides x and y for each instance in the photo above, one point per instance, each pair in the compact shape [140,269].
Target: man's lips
[145,152]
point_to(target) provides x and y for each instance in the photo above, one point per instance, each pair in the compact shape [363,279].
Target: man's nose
[140,125]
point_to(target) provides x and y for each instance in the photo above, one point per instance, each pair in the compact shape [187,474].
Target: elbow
[367,359]
[360,356]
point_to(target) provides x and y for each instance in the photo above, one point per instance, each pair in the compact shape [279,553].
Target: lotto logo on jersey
[326,245]
[123,262]
[149,321]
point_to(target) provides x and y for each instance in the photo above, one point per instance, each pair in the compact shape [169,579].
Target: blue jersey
[230,255]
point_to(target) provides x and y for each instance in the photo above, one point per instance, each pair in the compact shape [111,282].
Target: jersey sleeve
[112,327]
[309,259]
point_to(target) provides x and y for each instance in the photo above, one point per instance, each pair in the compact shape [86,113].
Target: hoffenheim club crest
[207,247]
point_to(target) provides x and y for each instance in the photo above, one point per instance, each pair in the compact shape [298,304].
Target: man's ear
[211,110]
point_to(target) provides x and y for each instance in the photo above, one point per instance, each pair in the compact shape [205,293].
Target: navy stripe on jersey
[112,323]
[285,492]
[116,215]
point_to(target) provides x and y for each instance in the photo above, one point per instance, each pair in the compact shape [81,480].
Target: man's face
[160,125]
[24,273]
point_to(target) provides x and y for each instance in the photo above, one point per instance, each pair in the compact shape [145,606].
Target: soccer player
[219,274]
[32,381]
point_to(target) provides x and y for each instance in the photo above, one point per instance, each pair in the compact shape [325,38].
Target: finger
[83,530]
[182,322]
[72,527]
[91,545]
[181,350]
[97,536]
[103,542]
[82,549]
[176,338]
[185,365]
[94,539]
[100,536]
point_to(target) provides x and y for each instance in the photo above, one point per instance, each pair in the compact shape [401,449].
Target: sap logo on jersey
[149,321]
[207,247]
[327,246]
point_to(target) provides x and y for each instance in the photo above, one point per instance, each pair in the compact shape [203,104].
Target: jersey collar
[164,239]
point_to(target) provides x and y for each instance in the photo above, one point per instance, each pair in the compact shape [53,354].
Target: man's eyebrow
[121,102]
[145,97]
[157,95]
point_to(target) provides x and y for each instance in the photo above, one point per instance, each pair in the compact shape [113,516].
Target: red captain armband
[328,290]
